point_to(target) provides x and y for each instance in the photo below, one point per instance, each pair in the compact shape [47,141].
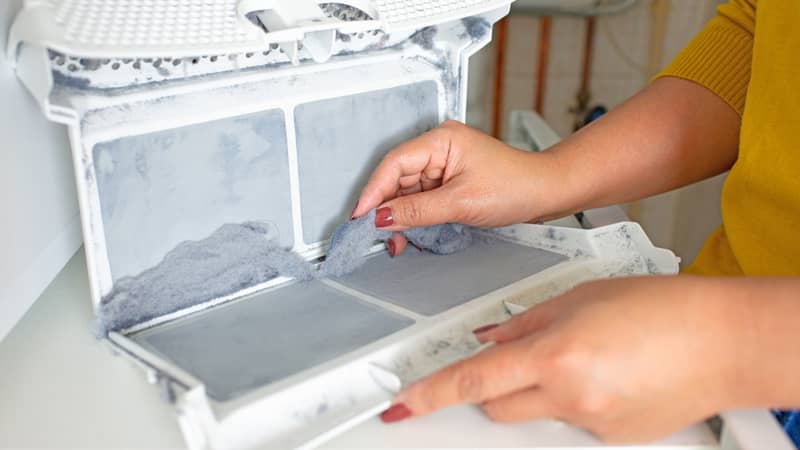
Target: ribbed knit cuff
[718,58]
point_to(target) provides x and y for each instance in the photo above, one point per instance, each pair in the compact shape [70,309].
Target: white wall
[628,50]
[39,225]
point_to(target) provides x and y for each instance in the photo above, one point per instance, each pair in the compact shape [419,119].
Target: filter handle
[295,22]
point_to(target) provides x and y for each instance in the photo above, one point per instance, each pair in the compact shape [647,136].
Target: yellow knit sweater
[749,55]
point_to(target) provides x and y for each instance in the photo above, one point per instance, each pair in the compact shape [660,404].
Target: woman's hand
[454,173]
[629,359]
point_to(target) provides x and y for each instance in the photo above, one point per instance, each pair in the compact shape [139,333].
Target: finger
[531,321]
[420,209]
[396,244]
[529,404]
[427,152]
[489,374]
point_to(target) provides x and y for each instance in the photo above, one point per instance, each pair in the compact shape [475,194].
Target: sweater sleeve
[719,57]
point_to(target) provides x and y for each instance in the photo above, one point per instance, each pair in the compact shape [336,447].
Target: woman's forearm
[671,134]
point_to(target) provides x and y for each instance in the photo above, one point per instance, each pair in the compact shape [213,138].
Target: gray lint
[441,239]
[238,256]
[352,240]
[234,257]
[349,243]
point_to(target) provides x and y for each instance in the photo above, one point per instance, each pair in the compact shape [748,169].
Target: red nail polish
[353,212]
[396,413]
[383,217]
[390,245]
[485,328]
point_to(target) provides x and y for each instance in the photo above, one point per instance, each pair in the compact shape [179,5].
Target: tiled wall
[628,50]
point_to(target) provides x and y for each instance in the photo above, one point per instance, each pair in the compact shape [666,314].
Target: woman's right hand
[455,173]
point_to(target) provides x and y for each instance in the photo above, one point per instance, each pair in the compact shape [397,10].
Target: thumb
[417,210]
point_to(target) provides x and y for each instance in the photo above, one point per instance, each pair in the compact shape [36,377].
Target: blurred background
[570,67]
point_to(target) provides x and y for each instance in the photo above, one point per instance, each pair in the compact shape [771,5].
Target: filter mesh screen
[259,340]
[159,189]
[429,284]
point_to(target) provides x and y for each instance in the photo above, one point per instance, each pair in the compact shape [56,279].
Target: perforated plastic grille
[409,10]
[147,26]
[151,22]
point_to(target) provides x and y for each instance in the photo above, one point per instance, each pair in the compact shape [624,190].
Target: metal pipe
[584,95]
[499,69]
[588,48]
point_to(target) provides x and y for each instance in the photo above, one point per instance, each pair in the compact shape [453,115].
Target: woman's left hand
[629,359]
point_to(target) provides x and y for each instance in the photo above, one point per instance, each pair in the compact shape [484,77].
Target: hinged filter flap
[296,363]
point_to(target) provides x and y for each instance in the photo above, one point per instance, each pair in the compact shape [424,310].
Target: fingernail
[390,245]
[383,217]
[485,328]
[396,413]
[353,212]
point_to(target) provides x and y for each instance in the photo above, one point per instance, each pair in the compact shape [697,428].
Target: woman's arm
[673,133]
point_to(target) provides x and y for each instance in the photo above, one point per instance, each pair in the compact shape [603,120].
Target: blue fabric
[790,420]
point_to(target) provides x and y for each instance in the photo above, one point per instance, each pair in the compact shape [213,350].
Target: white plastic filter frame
[234,424]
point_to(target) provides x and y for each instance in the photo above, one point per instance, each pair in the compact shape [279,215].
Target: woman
[638,358]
